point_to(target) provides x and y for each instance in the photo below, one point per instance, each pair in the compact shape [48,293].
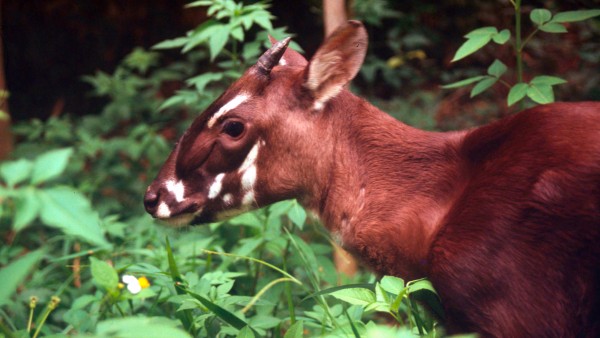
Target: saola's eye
[233,128]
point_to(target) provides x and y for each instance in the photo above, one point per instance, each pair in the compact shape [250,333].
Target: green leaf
[263,19]
[104,275]
[297,215]
[501,37]
[295,331]
[15,272]
[50,165]
[422,290]
[172,43]
[202,80]
[552,27]
[483,85]
[15,172]
[497,68]
[541,94]
[547,80]
[140,327]
[464,82]
[238,33]
[221,312]
[246,332]
[337,288]
[218,40]
[471,46]
[355,296]
[482,31]
[573,16]
[391,284]
[27,208]
[517,93]
[540,15]
[68,210]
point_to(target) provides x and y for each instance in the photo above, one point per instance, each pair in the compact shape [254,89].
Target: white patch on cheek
[248,198]
[250,158]
[236,101]
[177,189]
[227,199]
[282,62]
[249,178]
[163,211]
[215,188]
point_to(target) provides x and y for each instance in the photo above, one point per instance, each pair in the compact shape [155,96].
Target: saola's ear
[290,57]
[336,62]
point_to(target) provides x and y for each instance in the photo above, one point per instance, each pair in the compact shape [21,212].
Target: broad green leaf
[50,165]
[547,80]
[471,46]
[104,275]
[199,3]
[13,274]
[297,215]
[238,33]
[517,93]
[218,40]
[391,284]
[573,16]
[541,93]
[422,290]
[68,210]
[202,80]
[356,296]
[482,31]
[483,85]
[540,15]
[464,82]
[27,208]
[140,327]
[172,43]
[15,172]
[295,331]
[497,68]
[201,34]
[263,19]
[552,27]
[246,332]
[501,37]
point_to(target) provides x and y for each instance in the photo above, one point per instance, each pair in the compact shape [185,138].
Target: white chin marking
[215,188]
[163,211]
[318,105]
[177,189]
[282,62]
[236,101]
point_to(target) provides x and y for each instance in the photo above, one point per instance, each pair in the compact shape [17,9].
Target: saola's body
[504,219]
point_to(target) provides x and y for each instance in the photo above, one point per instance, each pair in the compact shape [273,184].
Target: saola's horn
[271,57]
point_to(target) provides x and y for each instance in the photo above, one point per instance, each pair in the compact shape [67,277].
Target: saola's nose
[151,200]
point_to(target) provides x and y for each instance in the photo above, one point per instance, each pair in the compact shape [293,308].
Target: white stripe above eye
[236,101]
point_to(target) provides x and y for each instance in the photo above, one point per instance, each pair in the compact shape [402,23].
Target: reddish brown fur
[504,219]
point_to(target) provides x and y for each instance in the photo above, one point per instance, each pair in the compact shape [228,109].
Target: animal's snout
[152,200]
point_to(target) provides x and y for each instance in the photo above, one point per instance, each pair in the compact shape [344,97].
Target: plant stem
[518,47]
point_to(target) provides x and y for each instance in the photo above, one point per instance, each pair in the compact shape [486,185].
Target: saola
[503,219]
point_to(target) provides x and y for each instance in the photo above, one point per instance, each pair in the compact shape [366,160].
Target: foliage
[539,89]
[83,259]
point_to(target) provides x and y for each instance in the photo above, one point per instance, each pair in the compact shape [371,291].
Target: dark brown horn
[271,57]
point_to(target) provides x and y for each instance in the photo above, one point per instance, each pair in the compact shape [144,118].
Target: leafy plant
[540,88]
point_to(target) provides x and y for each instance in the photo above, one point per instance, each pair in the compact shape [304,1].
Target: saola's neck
[390,187]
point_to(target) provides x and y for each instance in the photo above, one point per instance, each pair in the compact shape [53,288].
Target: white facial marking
[163,211]
[282,62]
[236,101]
[249,178]
[215,188]
[250,158]
[177,189]
[248,198]
[227,199]
[318,105]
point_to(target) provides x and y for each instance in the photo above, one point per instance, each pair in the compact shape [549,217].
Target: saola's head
[263,139]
